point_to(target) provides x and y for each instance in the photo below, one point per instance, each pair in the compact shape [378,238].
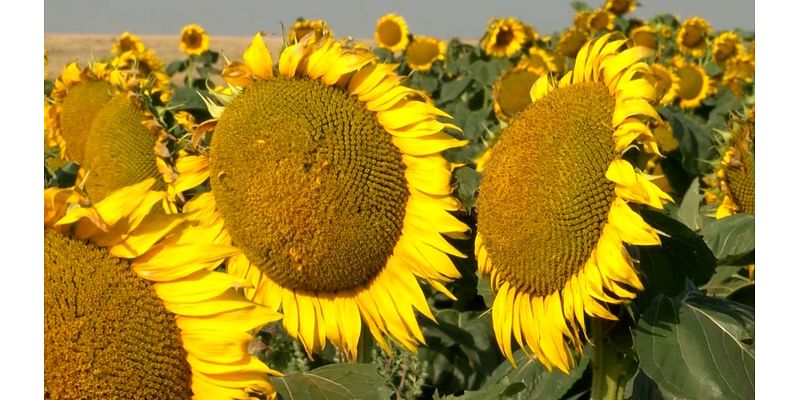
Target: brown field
[63,48]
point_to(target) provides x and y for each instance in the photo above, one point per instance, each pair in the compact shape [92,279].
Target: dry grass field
[63,48]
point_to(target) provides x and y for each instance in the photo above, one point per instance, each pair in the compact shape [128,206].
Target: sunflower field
[522,216]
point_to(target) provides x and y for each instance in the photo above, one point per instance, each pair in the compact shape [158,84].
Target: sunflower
[504,37]
[194,40]
[570,41]
[646,36]
[126,42]
[620,7]
[423,51]
[665,83]
[600,20]
[553,239]
[543,61]
[511,90]
[692,83]
[725,46]
[581,20]
[391,32]
[739,70]
[97,122]
[328,177]
[735,173]
[317,28]
[692,36]
[134,309]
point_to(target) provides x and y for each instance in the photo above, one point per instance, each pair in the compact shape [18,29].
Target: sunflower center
[514,91]
[741,175]
[119,149]
[309,184]
[107,334]
[693,36]
[504,36]
[390,33]
[690,83]
[544,197]
[645,38]
[80,106]
[193,39]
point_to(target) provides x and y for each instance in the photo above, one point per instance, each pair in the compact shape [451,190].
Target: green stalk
[611,370]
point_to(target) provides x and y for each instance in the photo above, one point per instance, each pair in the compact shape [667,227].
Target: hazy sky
[443,18]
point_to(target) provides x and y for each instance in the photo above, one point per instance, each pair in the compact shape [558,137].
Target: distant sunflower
[504,37]
[329,179]
[739,70]
[693,85]
[134,309]
[725,46]
[127,42]
[194,40]
[542,61]
[317,28]
[600,20]
[620,7]
[693,35]
[511,91]
[581,20]
[553,239]
[665,83]
[735,173]
[423,51]
[646,36]
[391,32]
[570,41]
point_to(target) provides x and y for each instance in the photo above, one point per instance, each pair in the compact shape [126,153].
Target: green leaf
[331,382]
[424,81]
[48,87]
[452,90]
[467,182]
[175,67]
[485,291]
[725,102]
[537,382]
[682,254]
[732,239]
[486,72]
[694,137]
[689,212]
[727,280]
[691,351]
[186,98]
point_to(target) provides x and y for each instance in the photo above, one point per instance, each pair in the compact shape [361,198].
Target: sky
[441,18]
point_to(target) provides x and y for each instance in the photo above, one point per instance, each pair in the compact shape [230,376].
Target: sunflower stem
[365,345]
[610,368]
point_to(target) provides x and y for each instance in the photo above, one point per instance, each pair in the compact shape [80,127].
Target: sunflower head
[504,37]
[328,177]
[600,20]
[739,70]
[570,41]
[581,20]
[664,81]
[134,309]
[725,46]
[423,51]
[620,7]
[692,36]
[511,90]
[317,29]
[553,239]
[391,32]
[194,40]
[77,96]
[543,61]
[645,35]
[733,180]
[126,42]
[692,83]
